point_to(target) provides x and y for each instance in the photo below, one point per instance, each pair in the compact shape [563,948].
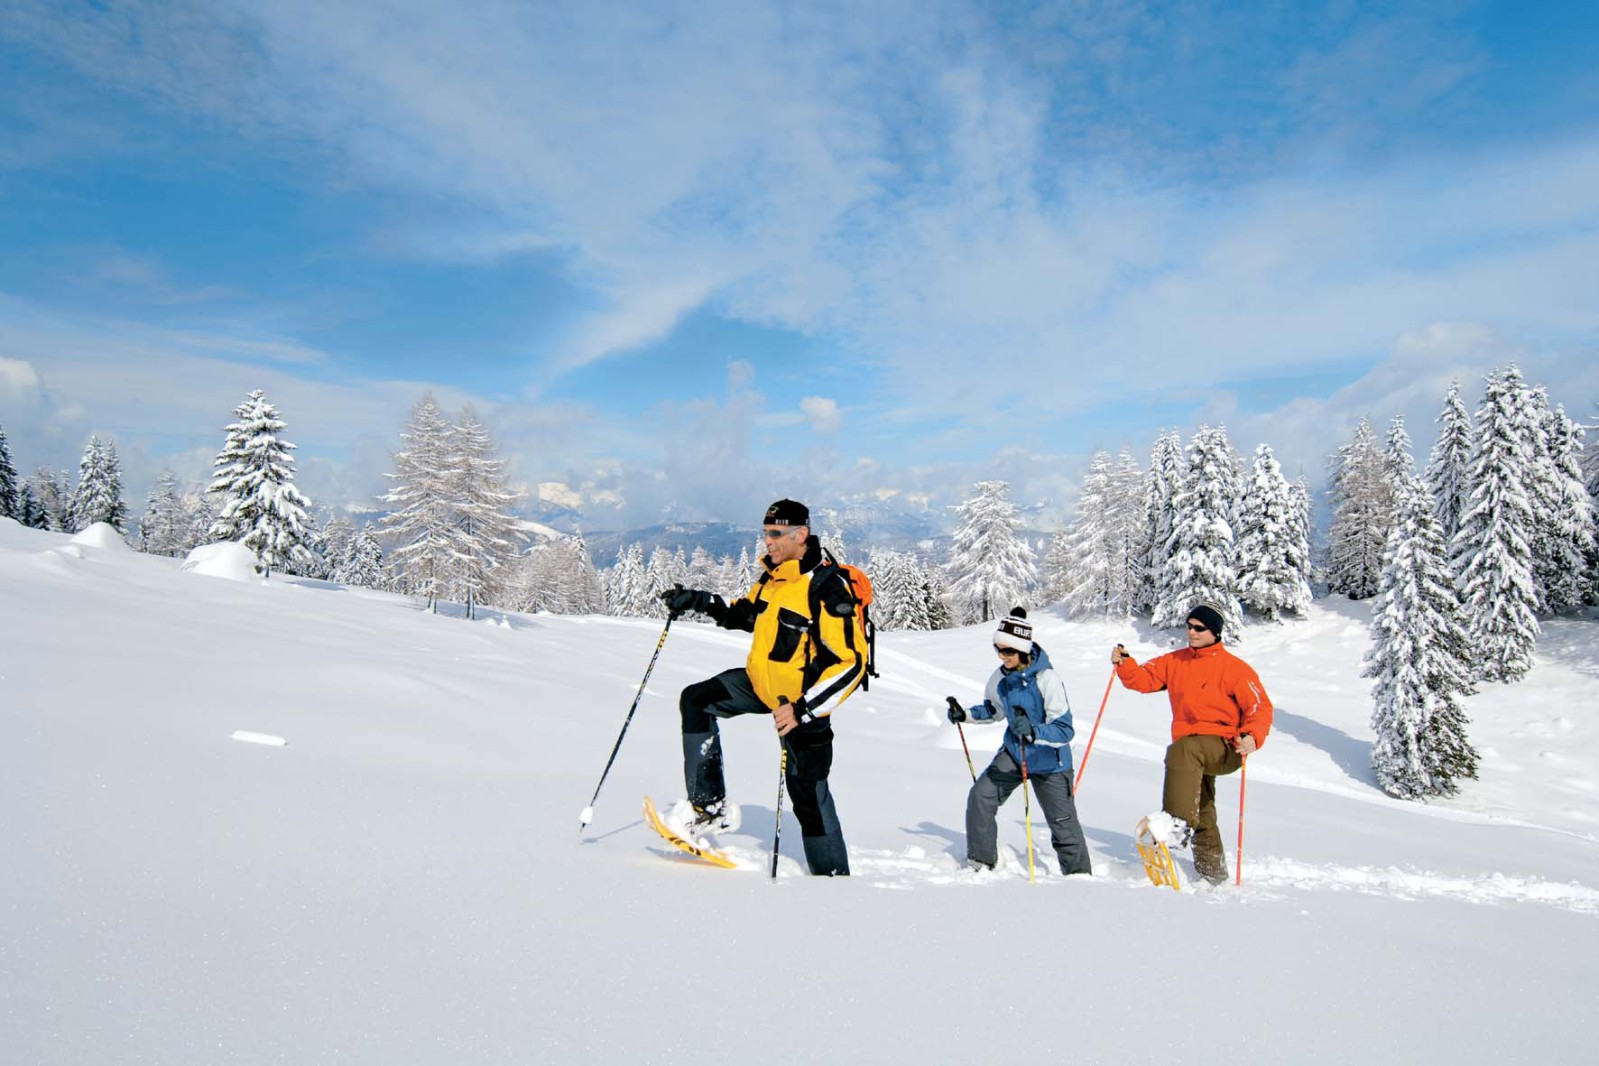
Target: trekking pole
[782,779]
[1027,805]
[1243,779]
[588,812]
[953,702]
[1077,784]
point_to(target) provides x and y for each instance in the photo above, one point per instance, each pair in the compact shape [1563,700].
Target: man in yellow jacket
[807,656]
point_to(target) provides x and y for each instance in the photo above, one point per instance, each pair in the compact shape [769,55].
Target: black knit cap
[788,513]
[1209,617]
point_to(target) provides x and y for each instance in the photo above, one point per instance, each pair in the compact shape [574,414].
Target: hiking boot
[1212,868]
[697,823]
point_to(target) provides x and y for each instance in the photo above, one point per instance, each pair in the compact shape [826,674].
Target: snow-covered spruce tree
[1492,551]
[1398,465]
[31,513]
[1273,555]
[664,570]
[10,488]
[1201,567]
[1418,659]
[1363,509]
[253,477]
[421,525]
[484,535]
[702,570]
[1562,514]
[97,497]
[362,562]
[55,501]
[165,528]
[1590,474]
[625,585]
[1161,483]
[1447,463]
[588,595]
[1100,562]
[991,567]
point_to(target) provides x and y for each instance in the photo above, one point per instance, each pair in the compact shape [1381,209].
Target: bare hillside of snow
[292,822]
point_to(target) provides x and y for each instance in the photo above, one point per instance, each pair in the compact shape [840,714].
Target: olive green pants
[1192,766]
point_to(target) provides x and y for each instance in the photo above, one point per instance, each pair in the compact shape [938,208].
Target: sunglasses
[777,534]
[1192,628]
[1006,651]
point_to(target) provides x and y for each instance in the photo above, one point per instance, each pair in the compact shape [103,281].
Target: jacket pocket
[791,628]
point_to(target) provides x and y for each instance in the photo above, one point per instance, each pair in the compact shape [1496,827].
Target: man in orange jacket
[1219,714]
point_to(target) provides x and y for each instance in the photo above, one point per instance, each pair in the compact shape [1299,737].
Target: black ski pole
[782,779]
[588,812]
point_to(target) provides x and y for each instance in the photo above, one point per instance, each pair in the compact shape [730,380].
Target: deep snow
[403,880]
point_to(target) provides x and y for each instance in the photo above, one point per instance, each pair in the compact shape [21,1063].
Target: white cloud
[822,414]
[18,379]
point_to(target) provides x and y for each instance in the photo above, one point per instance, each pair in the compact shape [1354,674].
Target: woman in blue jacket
[1031,699]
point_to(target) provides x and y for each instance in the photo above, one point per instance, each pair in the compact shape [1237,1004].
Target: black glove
[957,713]
[1022,726]
[680,600]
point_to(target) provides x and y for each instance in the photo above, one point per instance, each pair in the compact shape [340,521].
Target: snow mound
[101,535]
[229,559]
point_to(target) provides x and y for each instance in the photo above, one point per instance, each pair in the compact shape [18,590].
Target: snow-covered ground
[291,822]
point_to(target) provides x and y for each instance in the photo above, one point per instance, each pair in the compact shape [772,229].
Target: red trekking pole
[1077,784]
[1243,779]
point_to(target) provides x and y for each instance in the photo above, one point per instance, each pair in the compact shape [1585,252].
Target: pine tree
[10,490]
[165,527]
[32,513]
[664,570]
[1492,550]
[1100,559]
[1418,658]
[1363,507]
[1563,516]
[588,595]
[1161,483]
[1273,555]
[1201,566]
[991,567]
[422,524]
[1446,465]
[98,495]
[483,534]
[253,476]
[362,563]
[55,502]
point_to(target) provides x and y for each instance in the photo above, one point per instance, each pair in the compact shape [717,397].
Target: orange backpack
[860,587]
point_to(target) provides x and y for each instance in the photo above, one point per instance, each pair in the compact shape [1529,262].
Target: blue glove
[957,713]
[1022,726]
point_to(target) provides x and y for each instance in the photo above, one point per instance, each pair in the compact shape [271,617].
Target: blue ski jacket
[1034,690]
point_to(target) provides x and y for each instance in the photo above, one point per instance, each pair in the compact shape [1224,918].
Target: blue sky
[685,258]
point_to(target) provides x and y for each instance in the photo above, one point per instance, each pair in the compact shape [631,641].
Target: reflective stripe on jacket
[1213,692]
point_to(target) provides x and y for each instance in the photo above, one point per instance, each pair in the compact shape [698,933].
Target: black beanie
[788,513]
[1209,617]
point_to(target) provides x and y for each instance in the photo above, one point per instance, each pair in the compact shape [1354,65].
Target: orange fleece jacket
[1213,692]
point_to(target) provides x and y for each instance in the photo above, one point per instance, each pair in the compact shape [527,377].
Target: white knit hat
[1015,631]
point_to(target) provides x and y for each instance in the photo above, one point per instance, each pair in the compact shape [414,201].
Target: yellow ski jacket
[806,644]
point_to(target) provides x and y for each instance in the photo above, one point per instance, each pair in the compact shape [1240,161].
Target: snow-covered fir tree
[362,562]
[31,512]
[1398,465]
[1161,484]
[1202,564]
[421,525]
[1273,553]
[1492,550]
[1304,511]
[97,497]
[484,536]
[1447,463]
[166,528]
[10,486]
[703,573]
[625,585]
[1562,513]
[1418,659]
[1099,562]
[665,569]
[588,594]
[253,477]
[337,535]
[558,577]
[1363,509]
[991,567]
[54,496]
[1590,474]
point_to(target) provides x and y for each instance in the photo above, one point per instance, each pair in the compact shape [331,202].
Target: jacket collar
[795,567]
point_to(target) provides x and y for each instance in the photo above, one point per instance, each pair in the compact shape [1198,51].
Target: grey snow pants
[1054,792]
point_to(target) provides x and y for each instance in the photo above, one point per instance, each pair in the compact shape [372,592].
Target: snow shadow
[954,840]
[1351,756]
